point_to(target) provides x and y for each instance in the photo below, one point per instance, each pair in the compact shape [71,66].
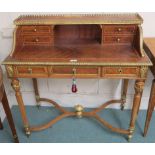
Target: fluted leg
[16,86]
[150,108]
[124,93]
[139,86]
[36,91]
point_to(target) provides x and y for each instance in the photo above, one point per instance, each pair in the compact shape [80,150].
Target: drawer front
[118,39]
[119,29]
[83,72]
[36,29]
[120,71]
[37,40]
[31,71]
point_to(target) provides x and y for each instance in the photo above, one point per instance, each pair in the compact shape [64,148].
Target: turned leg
[150,108]
[1,125]
[36,91]
[124,93]
[139,86]
[16,87]
[9,116]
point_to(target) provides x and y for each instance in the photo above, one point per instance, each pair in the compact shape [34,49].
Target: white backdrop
[91,93]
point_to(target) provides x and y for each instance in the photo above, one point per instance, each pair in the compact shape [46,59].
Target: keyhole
[120,71]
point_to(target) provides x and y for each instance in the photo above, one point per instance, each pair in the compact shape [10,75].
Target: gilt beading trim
[41,19]
[76,63]
[141,40]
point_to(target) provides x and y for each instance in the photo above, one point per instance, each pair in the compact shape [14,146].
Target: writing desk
[79,46]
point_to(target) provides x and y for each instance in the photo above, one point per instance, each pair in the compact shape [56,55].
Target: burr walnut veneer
[81,46]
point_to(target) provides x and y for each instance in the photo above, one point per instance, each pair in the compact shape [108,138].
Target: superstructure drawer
[36,29]
[119,29]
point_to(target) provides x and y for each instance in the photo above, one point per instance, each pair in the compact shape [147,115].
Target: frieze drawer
[83,72]
[31,71]
[120,71]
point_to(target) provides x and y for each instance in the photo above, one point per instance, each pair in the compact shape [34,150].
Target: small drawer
[119,29]
[37,40]
[36,29]
[120,71]
[31,71]
[118,39]
[83,72]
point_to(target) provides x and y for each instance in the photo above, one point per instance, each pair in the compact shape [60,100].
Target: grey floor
[74,130]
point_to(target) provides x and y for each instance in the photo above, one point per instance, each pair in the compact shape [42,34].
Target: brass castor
[131,130]
[27,132]
[129,138]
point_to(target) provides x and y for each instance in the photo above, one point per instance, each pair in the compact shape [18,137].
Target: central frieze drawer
[120,71]
[29,71]
[62,71]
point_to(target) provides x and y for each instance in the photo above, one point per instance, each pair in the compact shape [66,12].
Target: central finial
[79,110]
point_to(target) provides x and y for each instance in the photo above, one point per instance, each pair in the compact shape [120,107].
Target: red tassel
[74,88]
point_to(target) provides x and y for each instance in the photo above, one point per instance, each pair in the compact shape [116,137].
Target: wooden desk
[149,46]
[79,46]
[3,99]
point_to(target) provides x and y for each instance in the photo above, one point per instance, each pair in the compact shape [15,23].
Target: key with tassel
[74,86]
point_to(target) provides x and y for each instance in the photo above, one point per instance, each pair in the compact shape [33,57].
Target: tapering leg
[150,108]
[16,87]
[139,86]
[1,125]
[9,117]
[124,92]
[36,91]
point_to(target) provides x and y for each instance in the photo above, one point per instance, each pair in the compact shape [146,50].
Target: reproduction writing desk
[79,46]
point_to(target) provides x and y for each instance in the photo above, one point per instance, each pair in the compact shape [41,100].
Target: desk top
[129,18]
[80,55]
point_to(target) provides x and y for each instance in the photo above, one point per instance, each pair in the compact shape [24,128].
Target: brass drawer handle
[119,29]
[118,40]
[35,30]
[36,40]
[30,70]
